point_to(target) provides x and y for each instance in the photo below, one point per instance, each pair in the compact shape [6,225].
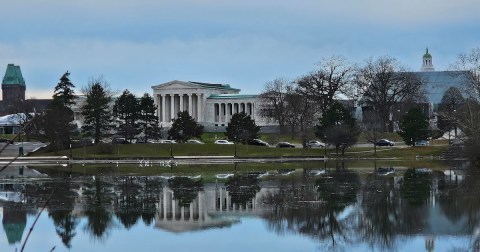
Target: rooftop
[436,83]
[232,96]
[13,76]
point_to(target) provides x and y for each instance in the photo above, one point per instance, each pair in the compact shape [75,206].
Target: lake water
[343,208]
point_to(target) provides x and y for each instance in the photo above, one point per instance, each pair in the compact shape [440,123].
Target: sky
[136,44]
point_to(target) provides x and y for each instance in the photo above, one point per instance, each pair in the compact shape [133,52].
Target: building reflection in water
[338,208]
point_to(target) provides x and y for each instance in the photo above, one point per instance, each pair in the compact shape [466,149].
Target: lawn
[157,151]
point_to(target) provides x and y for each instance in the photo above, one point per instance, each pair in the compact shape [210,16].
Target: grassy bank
[166,150]
[208,172]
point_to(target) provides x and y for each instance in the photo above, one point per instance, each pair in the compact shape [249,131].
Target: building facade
[211,105]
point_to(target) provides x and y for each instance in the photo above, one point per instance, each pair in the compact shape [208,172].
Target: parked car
[166,141]
[285,145]
[119,140]
[195,141]
[384,142]
[222,142]
[314,144]
[422,143]
[258,142]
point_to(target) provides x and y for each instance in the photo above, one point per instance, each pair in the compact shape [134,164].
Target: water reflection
[340,207]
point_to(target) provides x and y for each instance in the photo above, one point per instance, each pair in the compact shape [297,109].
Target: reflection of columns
[164,204]
[200,206]
[227,196]
[191,212]
[174,206]
[172,106]
[164,116]
[190,104]
[221,199]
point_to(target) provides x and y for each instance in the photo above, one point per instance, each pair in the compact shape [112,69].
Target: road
[12,150]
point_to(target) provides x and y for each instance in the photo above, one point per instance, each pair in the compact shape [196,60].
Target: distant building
[427,65]
[13,94]
[212,105]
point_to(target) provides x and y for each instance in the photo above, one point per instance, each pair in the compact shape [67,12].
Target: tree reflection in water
[185,189]
[60,210]
[379,219]
[317,208]
[242,188]
[98,200]
[336,208]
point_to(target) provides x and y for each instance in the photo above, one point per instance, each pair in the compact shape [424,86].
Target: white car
[194,141]
[222,142]
[314,144]
[165,141]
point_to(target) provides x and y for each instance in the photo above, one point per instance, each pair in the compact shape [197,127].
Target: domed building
[427,65]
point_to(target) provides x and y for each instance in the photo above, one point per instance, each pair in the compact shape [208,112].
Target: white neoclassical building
[212,105]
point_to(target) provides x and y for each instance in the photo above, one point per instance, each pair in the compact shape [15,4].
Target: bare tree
[331,79]
[470,62]
[300,113]
[274,103]
[468,115]
[383,83]
[447,110]
[372,129]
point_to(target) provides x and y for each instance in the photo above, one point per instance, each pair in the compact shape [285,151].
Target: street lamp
[325,148]
[455,122]
[235,146]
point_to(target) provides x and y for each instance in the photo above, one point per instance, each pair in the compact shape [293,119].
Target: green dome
[427,55]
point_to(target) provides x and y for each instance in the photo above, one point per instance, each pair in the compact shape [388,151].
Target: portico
[169,105]
[211,105]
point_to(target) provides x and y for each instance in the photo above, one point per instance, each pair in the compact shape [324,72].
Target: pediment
[173,85]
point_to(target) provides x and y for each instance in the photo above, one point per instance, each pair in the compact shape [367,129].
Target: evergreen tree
[58,120]
[184,127]
[414,127]
[148,118]
[242,128]
[338,127]
[96,110]
[126,111]
[64,95]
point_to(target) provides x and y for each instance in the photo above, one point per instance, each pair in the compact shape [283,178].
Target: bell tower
[427,65]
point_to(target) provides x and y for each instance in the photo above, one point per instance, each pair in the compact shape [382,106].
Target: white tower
[427,65]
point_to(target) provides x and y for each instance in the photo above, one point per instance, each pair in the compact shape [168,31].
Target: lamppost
[235,146]
[455,122]
[325,148]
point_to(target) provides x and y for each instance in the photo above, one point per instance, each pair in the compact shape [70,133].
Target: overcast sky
[135,44]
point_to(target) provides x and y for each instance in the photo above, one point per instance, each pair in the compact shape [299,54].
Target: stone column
[190,110]
[164,116]
[172,106]
[253,110]
[181,102]
[199,107]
